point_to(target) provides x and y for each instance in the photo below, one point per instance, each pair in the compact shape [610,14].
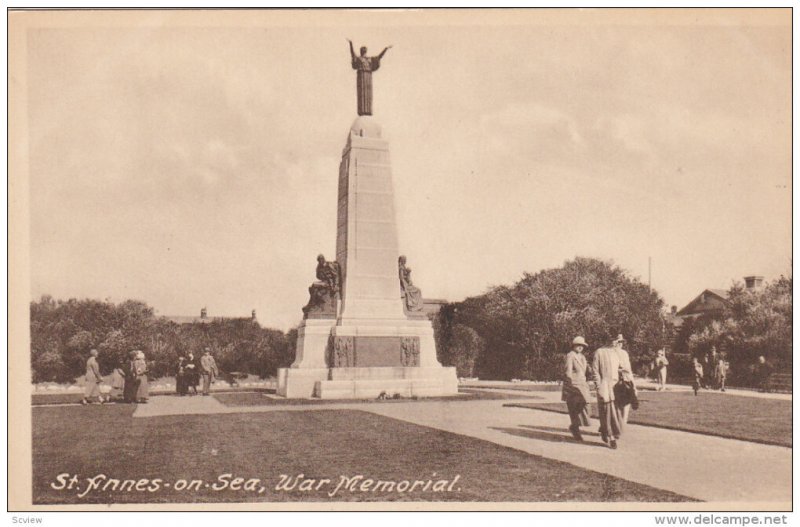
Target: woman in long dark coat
[192,373]
[180,376]
[131,379]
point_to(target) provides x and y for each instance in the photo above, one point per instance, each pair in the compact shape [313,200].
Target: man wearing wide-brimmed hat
[575,389]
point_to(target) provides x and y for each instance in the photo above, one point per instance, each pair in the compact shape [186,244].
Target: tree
[525,329]
[467,346]
[63,332]
[754,322]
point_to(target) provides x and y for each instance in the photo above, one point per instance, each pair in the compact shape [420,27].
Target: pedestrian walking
[763,371]
[661,364]
[181,383]
[575,388]
[93,380]
[117,381]
[605,372]
[209,370]
[720,373]
[142,388]
[626,396]
[698,375]
[191,370]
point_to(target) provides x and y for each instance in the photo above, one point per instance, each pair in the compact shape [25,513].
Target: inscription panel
[371,352]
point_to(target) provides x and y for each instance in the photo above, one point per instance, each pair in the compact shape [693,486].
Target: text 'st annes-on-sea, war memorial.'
[363,332]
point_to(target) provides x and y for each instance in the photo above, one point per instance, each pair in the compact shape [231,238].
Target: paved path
[703,467]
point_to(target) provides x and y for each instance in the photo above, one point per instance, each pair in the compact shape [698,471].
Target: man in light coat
[606,371]
[93,379]
[209,370]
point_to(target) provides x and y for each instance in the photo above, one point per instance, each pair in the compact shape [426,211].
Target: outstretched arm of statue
[352,51]
[382,53]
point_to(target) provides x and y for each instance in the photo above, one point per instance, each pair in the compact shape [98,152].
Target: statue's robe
[365,66]
[412,296]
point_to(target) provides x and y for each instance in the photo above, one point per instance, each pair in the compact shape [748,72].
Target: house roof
[722,293]
[698,305]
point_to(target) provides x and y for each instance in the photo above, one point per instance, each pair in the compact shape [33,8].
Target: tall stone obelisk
[362,336]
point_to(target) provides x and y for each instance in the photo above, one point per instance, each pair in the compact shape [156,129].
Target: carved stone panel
[343,352]
[409,351]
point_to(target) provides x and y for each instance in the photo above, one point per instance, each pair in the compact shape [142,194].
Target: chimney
[753,283]
[674,310]
[253,314]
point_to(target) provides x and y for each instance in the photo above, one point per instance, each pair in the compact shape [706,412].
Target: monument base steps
[366,383]
[370,383]
[298,383]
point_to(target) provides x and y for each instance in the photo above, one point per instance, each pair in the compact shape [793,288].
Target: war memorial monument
[364,333]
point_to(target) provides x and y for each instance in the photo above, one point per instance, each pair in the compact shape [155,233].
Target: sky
[194,162]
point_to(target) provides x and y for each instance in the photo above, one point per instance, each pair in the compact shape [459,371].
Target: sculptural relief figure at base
[324,293]
[411,294]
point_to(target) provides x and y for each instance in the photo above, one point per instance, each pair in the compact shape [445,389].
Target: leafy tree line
[523,330]
[754,322]
[63,332]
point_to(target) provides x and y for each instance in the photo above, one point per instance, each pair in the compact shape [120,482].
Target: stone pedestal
[370,383]
[372,347]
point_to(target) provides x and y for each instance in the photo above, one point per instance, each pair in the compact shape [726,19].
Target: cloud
[199,166]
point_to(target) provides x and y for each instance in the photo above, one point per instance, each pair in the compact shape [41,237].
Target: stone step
[371,389]
[399,372]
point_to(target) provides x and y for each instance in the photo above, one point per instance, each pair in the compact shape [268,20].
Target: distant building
[205,319]
[712,302]
[709,303]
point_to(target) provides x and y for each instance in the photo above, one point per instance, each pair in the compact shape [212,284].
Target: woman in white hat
[661,369]
[575,389]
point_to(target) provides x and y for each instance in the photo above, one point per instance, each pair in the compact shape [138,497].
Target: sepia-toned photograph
[214,216]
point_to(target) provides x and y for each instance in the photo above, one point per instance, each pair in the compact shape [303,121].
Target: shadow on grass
[544,434]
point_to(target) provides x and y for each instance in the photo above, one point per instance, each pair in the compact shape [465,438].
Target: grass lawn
[321,444]
[760,420]
[259,399]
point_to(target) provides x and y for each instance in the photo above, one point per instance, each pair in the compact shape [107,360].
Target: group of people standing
[616,393]
[712,372]
[128,381]
[190,371]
